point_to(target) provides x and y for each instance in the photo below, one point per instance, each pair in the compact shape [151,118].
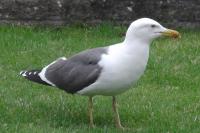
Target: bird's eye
[153,26]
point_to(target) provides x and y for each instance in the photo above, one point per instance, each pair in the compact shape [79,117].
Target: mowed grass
[165,100]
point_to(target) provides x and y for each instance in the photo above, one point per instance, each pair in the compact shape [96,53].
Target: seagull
[107,71]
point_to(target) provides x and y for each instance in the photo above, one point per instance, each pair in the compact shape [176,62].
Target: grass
[165,100]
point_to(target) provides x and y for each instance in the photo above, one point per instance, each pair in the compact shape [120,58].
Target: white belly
[119,72]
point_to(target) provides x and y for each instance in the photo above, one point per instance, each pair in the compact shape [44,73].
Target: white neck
[136,46]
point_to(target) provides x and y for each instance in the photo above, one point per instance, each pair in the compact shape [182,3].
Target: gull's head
[146,29]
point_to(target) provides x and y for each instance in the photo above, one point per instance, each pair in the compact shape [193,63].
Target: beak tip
[172,33]
[178,36]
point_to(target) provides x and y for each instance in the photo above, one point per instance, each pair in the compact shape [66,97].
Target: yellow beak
[171,33]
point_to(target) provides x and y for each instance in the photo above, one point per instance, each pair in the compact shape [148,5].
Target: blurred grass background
[166,99]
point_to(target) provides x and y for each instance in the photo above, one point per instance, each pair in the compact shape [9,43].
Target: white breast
[122,67]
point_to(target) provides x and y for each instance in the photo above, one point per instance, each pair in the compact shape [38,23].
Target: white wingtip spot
[29,73]
[21,72]
[64,58]
[35,73]
[24,74]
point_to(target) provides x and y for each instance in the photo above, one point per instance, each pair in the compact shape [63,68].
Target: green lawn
[165,100]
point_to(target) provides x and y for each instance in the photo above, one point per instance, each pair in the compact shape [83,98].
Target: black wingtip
[33,75]
[29,73]
[23,73]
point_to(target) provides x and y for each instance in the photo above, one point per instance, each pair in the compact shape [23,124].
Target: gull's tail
[33,75]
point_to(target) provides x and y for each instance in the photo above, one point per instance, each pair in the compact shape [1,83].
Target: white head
[146,29]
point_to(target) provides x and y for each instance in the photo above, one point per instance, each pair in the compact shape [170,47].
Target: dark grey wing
[77,72]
